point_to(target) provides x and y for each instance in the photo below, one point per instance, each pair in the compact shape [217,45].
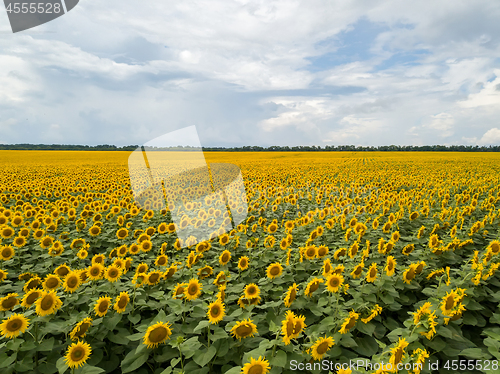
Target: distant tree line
[274,148]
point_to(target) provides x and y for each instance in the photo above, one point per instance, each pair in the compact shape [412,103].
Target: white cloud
[491,137]
[443,123]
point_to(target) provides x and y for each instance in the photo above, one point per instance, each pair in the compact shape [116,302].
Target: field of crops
[390,257]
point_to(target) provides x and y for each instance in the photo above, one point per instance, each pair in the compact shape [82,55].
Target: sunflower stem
[208,336]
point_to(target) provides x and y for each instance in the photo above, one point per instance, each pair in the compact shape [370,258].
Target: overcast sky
[255,73]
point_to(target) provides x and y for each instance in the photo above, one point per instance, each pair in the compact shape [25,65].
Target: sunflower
[19,241]
[224,257]
[99,259]
[220,279]
[244,329]
[122,233]
[494,247]
[193,289]
[371,275]
[153,277]
[47,303]
[395,236]
[121,302]
[81,329]
[14,325]
[51,282]
[434,241]
[287,327]
[112,273]
[224,239]
[327,267]
[312,286]
[32,283]
[334,282]
[95,271]
[94,230]
[134,249]
[349,322]
[179,290]
[6,252]
[408,249]
[398,352]
[102,305]
[122,251]
[259,366]
[146,245]
[274,270]
[311,252]
[291,294]
[72,281]
[358,269]
[216,312]
[448,303]
[157,334]
[161,260]
[62,270]
[77,243]
[409,274]
[7,232]
[251,291]
[353,250]
[414,215]
[340,253]
[169,273]
[3,275]
[142,268]
[321,346]
[390,266]
[77,354]
[243,263]
[205,272]
[8,302]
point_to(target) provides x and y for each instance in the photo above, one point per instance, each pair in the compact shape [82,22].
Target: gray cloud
[244,73]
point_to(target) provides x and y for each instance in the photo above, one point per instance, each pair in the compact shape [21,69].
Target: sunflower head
[13,326]
[157,334]
[216,312]
[244,329]
[77,354]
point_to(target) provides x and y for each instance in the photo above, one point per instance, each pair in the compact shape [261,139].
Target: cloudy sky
[259,72]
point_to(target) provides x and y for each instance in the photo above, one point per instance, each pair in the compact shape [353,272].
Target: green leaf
[134,318]
[348,342]
[86,369]
[190,346]
[444,331]
[46,345]
[366,328]
[61,365]
[279,360]
[110,323]
[234,370]
[394,334]
[366,346]
[134,361]
[474,353]
[217,334]
[469,319]
[134,337]
[437,343]
[201,325]
[203,357]
[160,317]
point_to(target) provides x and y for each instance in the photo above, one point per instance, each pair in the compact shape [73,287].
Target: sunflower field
[384,257]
